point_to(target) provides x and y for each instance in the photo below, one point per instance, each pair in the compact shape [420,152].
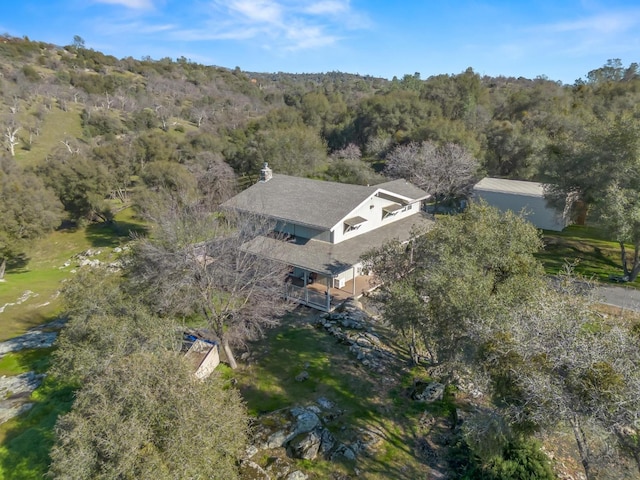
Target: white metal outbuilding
[521,197]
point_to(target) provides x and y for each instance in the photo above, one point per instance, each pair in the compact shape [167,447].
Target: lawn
[593,255]
[29,292]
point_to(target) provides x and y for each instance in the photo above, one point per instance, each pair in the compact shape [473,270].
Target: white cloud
[258,10]
[282,24]
[606,23]
[123,28]
[332,7]
[133,4]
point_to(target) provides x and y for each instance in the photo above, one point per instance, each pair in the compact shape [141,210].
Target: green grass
[15,363]
[593,255]
[268,383]
[272,385]
[57,125]
[25,441]
[43,271]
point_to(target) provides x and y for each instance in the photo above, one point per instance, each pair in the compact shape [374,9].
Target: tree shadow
[17,263]
[110,234]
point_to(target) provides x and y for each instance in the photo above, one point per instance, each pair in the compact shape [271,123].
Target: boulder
[279,467]
[297,475]
[277,439]
[302,376]
[427,392]
[343,452]
[306,420]
[327,441]
[306,445]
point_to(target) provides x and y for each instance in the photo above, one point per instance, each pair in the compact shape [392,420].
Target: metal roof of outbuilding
[502,185]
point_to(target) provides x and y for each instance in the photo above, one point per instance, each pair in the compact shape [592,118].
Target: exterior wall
[372,211]
[344,277]
[535,208]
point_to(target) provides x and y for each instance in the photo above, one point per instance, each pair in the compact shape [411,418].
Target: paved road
[627,298]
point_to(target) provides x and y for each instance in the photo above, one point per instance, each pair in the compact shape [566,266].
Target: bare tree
[446,171]
[11,136]
[575,371]
[198,263]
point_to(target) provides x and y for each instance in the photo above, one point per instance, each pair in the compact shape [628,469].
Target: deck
[316,296]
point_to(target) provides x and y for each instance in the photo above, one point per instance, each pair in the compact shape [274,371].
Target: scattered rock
[252,470]
[12,408]
[32,339]
[350,326]
[26,295]
[297,475]
[14,391]
[250,451]
[19,385]
[327,442]
[427,392]
[277,439]
[279,467]
[325,403]
[302,376]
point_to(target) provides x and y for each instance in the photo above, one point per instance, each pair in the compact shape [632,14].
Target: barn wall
[535,208]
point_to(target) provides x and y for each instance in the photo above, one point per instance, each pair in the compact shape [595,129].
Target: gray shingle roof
[314,203]
[331,259]
[404,188]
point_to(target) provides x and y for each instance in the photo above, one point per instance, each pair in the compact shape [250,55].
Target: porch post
[306,290]
[329,279]
[353,270]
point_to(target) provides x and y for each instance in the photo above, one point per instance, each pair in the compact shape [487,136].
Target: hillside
[99,152]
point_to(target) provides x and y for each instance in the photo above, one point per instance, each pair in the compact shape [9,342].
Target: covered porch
[323,274]
[321,294]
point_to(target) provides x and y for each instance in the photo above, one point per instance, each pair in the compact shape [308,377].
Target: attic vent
[266,173]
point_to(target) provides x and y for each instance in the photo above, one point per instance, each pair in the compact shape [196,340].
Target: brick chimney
[266,173]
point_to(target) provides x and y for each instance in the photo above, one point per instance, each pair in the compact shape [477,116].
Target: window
[391,210]
[351,224]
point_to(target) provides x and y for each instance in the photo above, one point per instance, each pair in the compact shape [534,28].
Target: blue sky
[562,39]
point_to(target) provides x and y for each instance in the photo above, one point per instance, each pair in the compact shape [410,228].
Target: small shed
[521,196]
[202,355]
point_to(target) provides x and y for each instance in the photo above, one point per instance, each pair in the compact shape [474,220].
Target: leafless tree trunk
[11,135]
[201,262]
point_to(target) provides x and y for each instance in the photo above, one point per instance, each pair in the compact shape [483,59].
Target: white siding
[372,211]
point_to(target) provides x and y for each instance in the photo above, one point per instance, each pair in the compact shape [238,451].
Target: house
[520,196]
[326,227]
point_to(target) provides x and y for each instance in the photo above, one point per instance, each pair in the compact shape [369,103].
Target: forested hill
[93,128]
